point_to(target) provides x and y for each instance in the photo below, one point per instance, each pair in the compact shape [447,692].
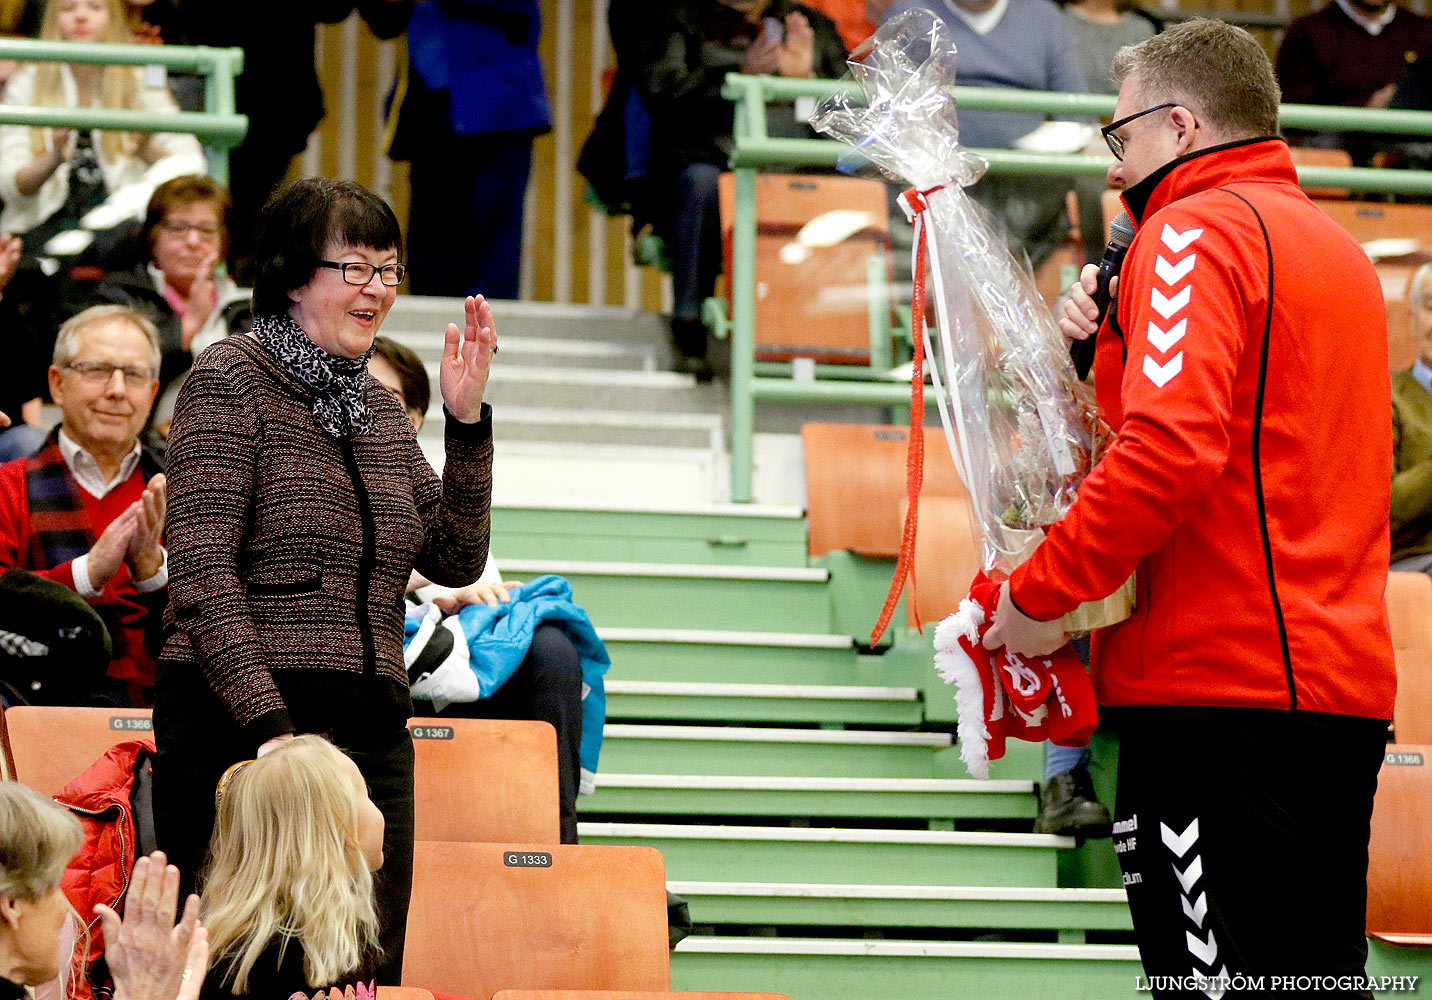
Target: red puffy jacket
[100,872]
[1249,481]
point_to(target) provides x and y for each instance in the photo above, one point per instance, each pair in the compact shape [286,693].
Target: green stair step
[905,970]
[820,904]
[727,702]
[783,854]
[669,654]
[730,534]
[869,798]
[841,753]
[672,595]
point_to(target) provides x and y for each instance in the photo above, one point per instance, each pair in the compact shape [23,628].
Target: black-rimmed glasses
[358,273]
[1116,141]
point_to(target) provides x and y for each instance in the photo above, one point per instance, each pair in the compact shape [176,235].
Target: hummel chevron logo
[1178,241]
[1205,951]
[1166,306]
[1214,993]
[1172,274]
[1179,843]
[1164,339]
[1188,878]
[1198,910]
[1159,374]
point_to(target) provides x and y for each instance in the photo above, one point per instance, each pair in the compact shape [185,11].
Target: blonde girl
[50,179]
[149,957]
[288,894]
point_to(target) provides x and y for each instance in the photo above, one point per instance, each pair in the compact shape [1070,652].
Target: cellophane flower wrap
[1022,428]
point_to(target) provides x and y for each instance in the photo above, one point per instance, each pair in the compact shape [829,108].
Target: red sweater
[1249,481]
[119,593]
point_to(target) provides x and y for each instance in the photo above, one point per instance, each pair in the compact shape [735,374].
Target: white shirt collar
[85,469]
[984,23]
[1372,25]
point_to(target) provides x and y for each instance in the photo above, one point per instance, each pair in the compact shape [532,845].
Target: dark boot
[1068,806]
[688,343]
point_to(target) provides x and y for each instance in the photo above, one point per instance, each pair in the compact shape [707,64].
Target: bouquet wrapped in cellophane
[1023,430]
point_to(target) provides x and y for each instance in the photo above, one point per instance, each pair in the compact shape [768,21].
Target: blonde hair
[119,85]
[285,864]
[37,840]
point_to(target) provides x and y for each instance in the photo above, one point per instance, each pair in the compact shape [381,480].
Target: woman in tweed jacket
[299,502]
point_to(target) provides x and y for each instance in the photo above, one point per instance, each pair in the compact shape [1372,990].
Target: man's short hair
[1216,70]
[412,374]
[66,341]
[300,221]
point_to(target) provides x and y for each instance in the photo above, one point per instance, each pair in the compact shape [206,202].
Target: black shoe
[1067,806]
[688,345]
[698,367]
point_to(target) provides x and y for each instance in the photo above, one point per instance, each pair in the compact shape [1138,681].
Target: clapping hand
[145,553]
[796,55]
[203,297]
[467,360]
[10,247]
[149,955]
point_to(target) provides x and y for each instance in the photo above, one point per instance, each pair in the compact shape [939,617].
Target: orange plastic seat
[1312,156]
[403,993]
[53,745]
[1412,712]
[629,995]
[1399,871]
[947,557]
[855,480]
[1409,610]
[485,780]
[489,917]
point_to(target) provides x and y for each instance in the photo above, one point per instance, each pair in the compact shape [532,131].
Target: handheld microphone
[1121,234]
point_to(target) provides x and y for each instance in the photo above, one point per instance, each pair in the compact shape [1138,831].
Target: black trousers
[197,742]
[1242,834]
[547,686]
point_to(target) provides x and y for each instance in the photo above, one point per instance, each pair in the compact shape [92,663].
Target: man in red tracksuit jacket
[1248,486]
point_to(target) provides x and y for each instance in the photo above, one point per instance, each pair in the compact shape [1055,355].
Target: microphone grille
[1121,230]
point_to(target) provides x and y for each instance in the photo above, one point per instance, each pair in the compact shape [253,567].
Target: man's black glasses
[1116,141]
[358,273]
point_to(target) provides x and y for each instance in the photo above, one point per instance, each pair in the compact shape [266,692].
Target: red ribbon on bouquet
[915,444]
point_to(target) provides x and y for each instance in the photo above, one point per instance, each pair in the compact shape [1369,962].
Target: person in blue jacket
[465,115]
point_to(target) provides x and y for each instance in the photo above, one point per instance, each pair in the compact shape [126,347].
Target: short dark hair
[297,226]
[192,189]
[412,373]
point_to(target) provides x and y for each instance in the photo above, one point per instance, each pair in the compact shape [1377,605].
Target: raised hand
[109,551]
[149,955]
[203,297]
[796,55]
[145,553]
[10,247]
[467,360]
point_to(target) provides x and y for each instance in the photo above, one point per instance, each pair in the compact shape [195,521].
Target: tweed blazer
[289,551]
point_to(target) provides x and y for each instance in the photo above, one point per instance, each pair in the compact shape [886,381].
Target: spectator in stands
[88,510]
[299,505]
[279,91]
[176,283]
[1412,439]
[548,684]
[22,385]
[856,20]
[288,891]
[1024,45]
[1256,524]
[683,59]
[466,125]
[148,956]
[61,186]
[1351,53]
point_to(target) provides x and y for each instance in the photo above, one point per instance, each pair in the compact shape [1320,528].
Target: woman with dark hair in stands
[547,686]
[299,503]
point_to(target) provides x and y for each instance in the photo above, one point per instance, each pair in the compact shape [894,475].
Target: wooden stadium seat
[855,480]
[485,780]
[488,917]
[1412,713]
[1311,156]
[1399,871]
[403,993]
[1409,610]
[815,237]
[947,556]
[628,995]
[53,745]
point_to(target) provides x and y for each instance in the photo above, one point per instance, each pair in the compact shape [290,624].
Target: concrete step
[597,389]
[555,350]
[521,320]
[700,701]
[608,427]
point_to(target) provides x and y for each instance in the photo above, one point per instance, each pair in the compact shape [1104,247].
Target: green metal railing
[218,127]
[755,150]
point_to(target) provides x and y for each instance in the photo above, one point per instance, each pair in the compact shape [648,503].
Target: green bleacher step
[754,795]
[728,702]
[676,595]
[643,749]
[835,969]
[731,534]
[821,904]
[740,657]
[862,856]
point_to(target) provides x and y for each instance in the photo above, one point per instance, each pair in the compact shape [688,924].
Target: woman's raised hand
[467,359]
[149,955]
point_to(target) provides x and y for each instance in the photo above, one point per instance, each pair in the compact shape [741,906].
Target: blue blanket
[498,639]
